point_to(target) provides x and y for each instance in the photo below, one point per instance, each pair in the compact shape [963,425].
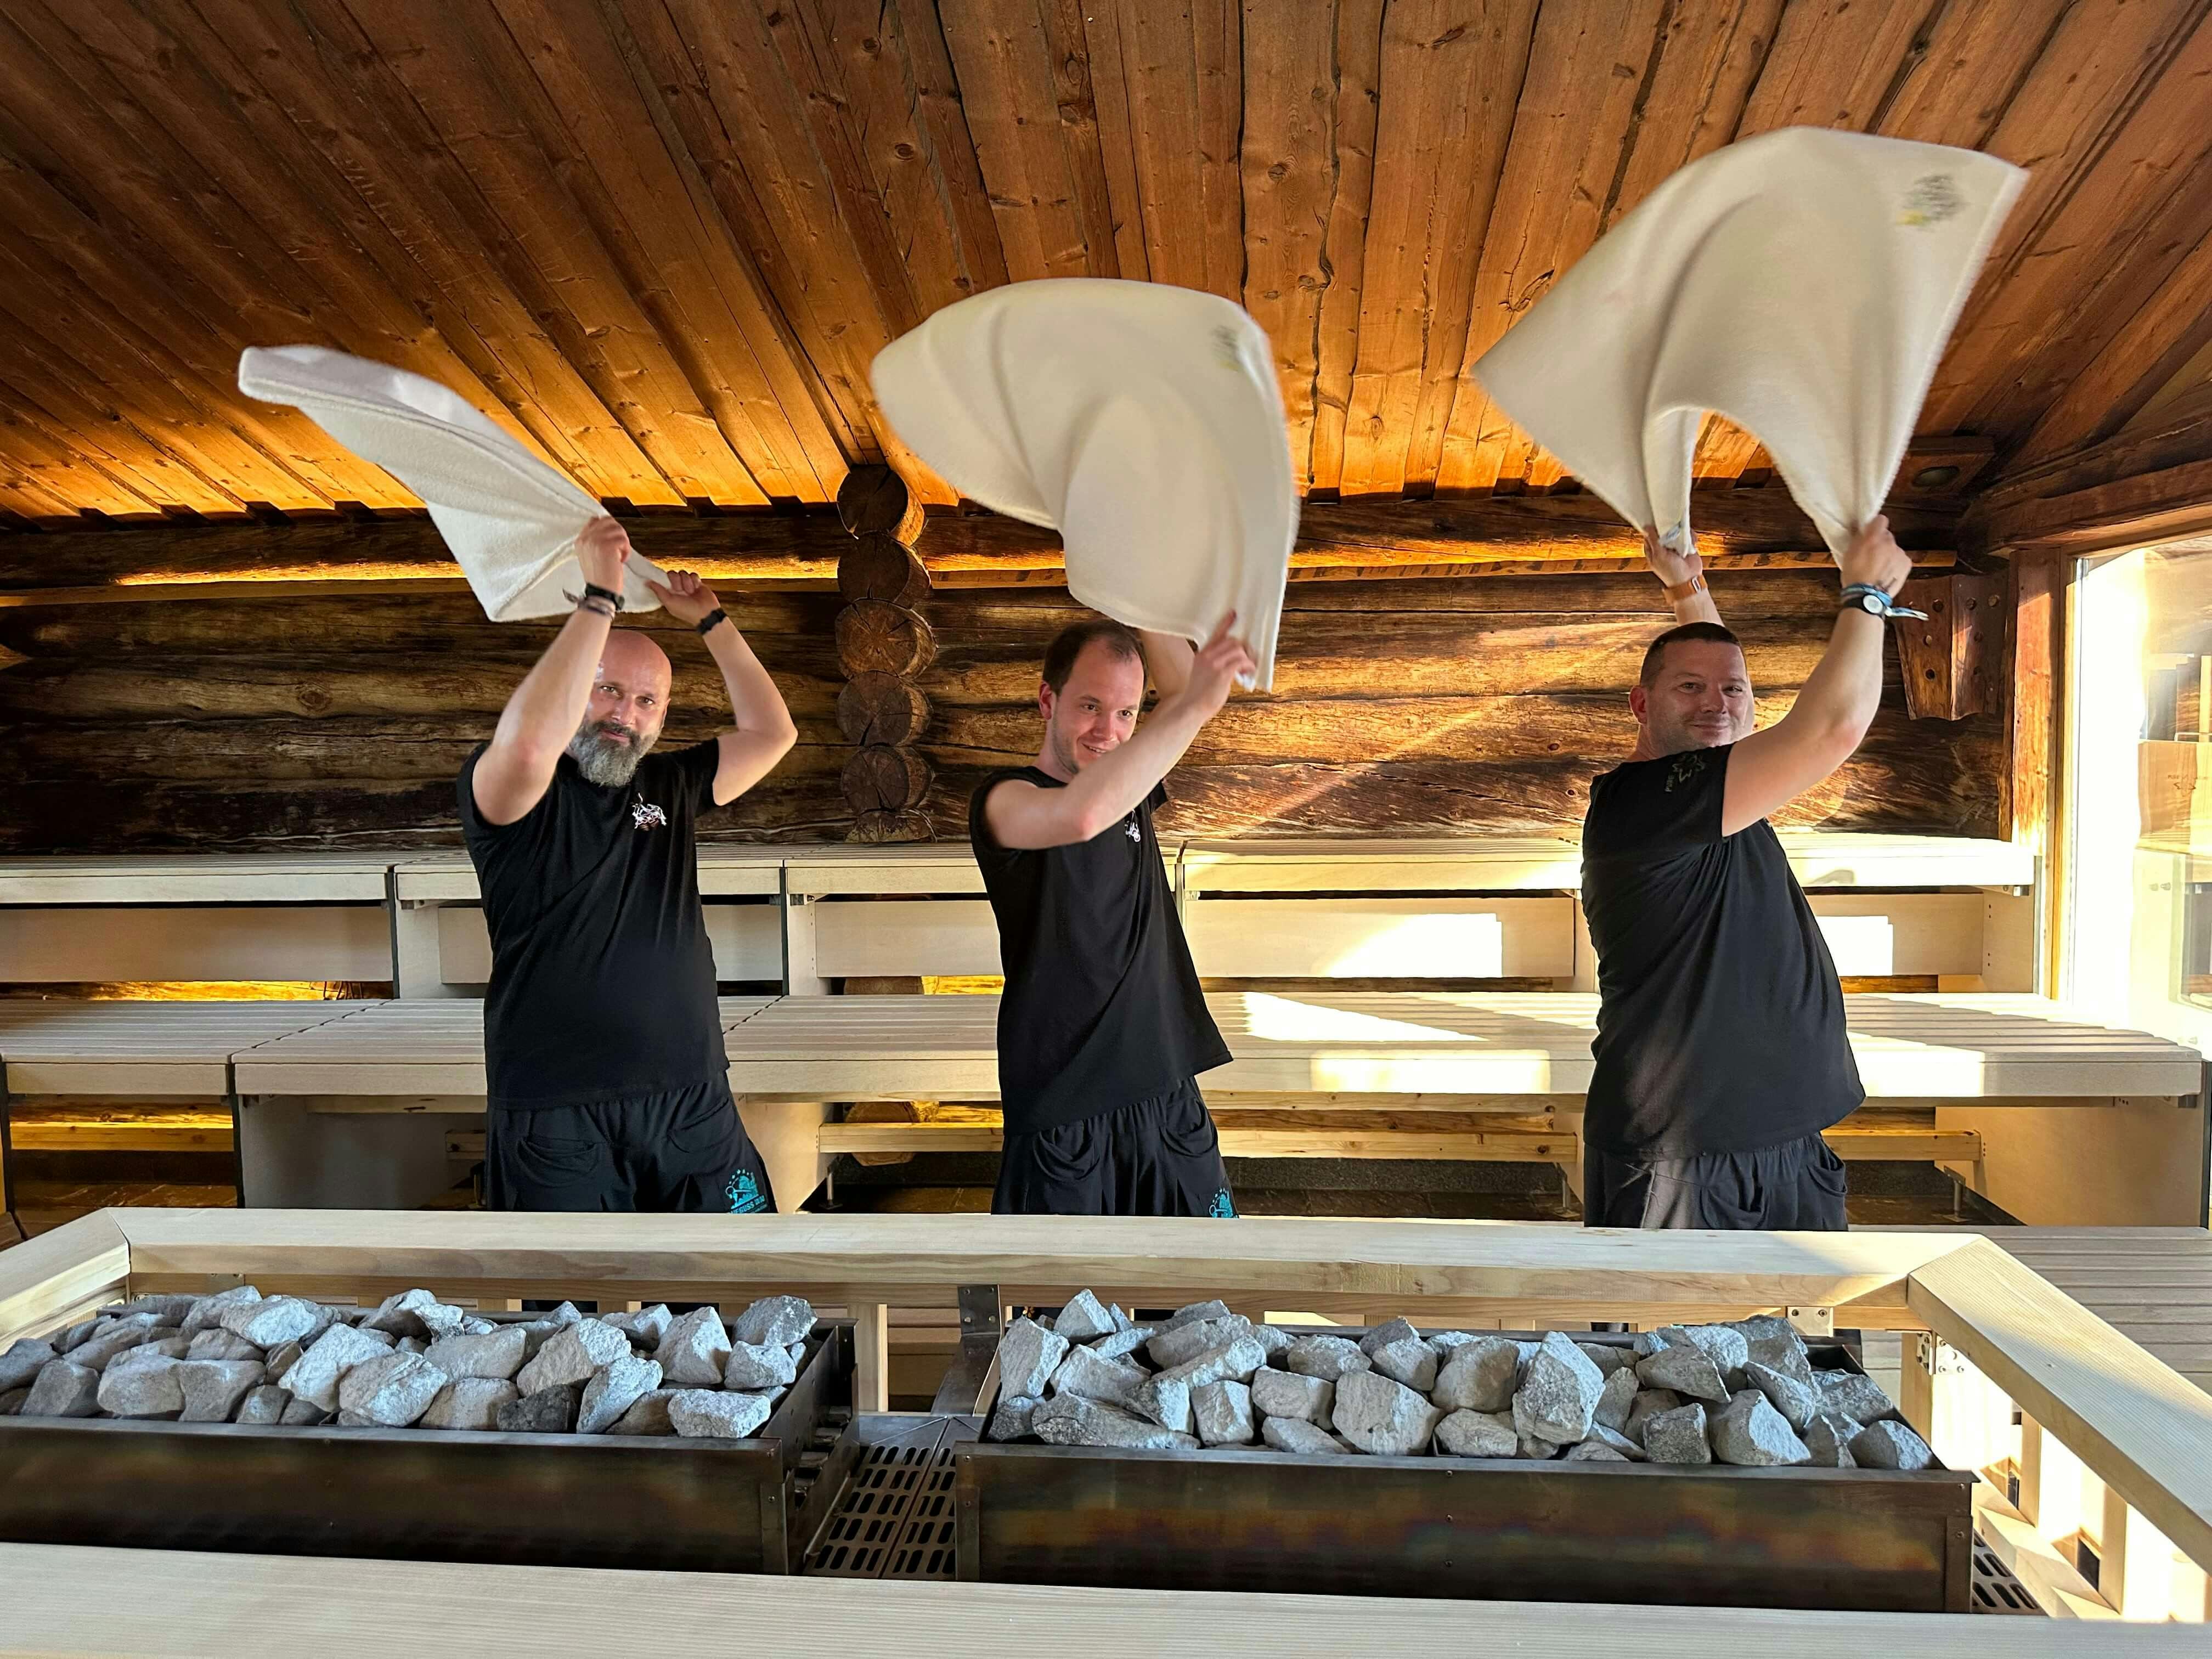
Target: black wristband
[598,607]
[705,625]
[593,591]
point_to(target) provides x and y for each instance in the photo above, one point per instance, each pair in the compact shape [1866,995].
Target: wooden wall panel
[1406,708]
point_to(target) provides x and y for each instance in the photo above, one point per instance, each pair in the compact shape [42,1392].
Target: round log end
[877,637]
[874,501]
[884,779]
[876,567]
[881,709]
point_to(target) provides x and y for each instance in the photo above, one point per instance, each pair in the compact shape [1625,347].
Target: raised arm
[1025,816]
[1770,768]
[1168,657]
[1683,576]
[764,732]
[513,774]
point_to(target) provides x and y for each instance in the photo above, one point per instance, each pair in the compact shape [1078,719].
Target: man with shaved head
[1722,1052]
[609,1087]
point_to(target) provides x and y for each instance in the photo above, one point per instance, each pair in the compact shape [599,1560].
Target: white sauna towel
[1142,422]
[1802,283]
[510,520]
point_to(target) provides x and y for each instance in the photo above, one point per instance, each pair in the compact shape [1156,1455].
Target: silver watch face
[1867,602]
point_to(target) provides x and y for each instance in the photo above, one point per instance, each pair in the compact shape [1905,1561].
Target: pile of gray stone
[414,1362]
[1746,1393]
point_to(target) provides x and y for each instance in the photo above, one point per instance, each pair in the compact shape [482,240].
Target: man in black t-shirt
[609,1088]
[1102,1029]
[1722,1052]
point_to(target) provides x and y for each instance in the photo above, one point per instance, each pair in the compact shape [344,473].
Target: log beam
[1760,528]
[2129,491]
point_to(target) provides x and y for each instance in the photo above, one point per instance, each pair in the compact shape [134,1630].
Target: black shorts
[1797,1187]
[685,1151]
[1159,1157]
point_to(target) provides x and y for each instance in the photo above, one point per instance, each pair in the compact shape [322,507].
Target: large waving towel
[1141,421]
[510,520]
[1802,283]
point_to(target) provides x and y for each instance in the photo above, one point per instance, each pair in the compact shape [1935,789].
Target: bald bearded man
[609,1088]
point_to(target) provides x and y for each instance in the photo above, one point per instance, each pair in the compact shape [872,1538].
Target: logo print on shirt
[1686,766]
[646,816]
[745,1194]
[1136,833]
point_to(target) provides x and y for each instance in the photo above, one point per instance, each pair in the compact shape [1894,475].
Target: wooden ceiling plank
[1067,48]
[738,115]
[1833,64]
[48,459]
[1117,144]
[1587,70]
[2144,205]
[256,168]
[667,239]
[344,104]
[1356,85]
[945,118]
[142,199]
[22,496]
[1180,61]
[999,54]
[802,52]
[74,405]
[468,77]
[1451,76]
[62,293]
[2144,357]
[2096,67]
[1710,59]
[1289,164]
[806,407]
[1978,53]
[949,254]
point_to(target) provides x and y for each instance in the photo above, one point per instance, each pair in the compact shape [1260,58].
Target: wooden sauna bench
[2144,1431]
[423,1060]
[173,1056]
[2056,1120]
[250,1606]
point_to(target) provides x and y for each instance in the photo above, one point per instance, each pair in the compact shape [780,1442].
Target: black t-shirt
[1721,1024]
[602,977]
[1101,1007]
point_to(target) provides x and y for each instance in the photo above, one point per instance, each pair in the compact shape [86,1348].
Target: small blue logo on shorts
[745,1197]
[1223,1207]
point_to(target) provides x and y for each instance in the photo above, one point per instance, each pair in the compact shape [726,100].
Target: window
[2137,946]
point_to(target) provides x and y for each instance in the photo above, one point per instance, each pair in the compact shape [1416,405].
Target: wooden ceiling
[666,237]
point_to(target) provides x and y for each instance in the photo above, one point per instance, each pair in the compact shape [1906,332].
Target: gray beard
[603,761]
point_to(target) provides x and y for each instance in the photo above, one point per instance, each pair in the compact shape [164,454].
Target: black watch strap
[593,591]
[705,623]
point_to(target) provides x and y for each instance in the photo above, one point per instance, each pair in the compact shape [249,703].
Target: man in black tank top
[1102,1028]
[1722,1052]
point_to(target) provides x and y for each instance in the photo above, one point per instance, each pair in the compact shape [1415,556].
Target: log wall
[1400,707]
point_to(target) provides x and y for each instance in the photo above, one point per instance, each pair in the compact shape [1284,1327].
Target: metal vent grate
[1996,1589]
[894,1519]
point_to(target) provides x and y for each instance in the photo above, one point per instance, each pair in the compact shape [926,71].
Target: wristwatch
[1678,592]
[1875,602]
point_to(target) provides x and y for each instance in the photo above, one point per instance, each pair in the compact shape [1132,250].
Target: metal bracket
[1812,1322]
[972,1375]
